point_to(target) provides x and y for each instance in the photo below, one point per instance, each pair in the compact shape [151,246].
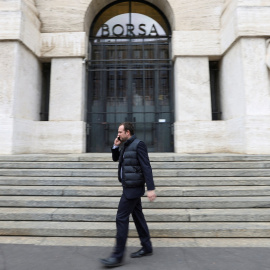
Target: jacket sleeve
[145,165]
[115,154]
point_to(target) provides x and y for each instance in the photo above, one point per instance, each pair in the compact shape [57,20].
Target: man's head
[125,131]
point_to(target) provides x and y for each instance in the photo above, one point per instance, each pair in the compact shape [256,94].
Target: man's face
[122,134]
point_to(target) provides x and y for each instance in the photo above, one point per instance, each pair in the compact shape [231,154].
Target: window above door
[130,19]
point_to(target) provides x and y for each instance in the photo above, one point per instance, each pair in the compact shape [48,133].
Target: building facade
[193,76]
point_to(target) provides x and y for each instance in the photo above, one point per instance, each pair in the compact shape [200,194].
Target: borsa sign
[128,30]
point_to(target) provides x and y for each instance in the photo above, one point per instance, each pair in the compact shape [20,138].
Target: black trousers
[125,208]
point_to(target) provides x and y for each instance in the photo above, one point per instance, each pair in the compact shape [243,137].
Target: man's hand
[117,142]
[151,194]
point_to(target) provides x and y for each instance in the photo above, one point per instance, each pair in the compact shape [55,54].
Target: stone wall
[240,45]
[236,32]
[245,96]
[22,48]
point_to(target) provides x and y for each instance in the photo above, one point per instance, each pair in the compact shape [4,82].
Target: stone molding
[69,44]
[195,43]
[243,18]
[19,22]
[268,53]
[32,6]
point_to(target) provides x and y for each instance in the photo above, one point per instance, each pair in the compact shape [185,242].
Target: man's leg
[125,208]
[142,227]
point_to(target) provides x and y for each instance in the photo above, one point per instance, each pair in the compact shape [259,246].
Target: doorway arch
[130,76]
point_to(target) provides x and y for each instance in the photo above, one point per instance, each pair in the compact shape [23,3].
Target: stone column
[257,96]
[67,90]
[192,89]
[256,80]
[65,130]
[194,130]
[7,78]
[245,96]
[20,75]
[20,83]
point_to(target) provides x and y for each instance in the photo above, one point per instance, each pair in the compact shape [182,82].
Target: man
[134,171]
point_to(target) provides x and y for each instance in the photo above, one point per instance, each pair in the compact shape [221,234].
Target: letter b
[105,30]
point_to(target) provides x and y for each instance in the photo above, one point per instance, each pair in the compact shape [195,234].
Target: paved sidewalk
[36,257]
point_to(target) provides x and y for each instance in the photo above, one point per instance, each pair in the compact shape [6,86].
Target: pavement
[59,254]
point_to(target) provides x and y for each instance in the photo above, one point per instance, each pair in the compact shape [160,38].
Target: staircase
[199,196]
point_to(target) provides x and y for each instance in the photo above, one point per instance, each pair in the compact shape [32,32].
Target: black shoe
[111,262]
[140,253]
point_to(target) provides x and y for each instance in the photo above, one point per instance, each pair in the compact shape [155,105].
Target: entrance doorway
[130,76]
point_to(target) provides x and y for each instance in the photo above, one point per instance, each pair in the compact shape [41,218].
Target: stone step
[83,191]
[154,157]
[133,242]
[155,165]
[175,242]
[159,181]
[112,202]
[107,229]
[94,157]
[157,172]
[154,215]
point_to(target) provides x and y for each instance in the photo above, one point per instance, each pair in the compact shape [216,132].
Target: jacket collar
[129,141]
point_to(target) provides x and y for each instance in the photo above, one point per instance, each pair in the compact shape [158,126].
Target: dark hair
[128,126]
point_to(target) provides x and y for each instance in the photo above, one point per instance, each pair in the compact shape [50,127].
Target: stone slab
[157,242]
[89,215]
[219,191]
[66,44]
[55,181]
[200,136]
[196,43]
[161,202]
[67,86]
[156,172]
[113,181]
[216,172]
[229,215]
[155,165]
[58,165]
[172,191]
[10,23]
[156,215]
[58,172]
[59,136]
[154,157]
[101,229]
[31,191]
[19,214]
[21,24]
[253,21]
[39,158]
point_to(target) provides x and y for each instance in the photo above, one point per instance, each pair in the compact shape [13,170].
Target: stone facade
[235,32]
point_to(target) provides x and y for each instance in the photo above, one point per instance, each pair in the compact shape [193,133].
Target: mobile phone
[118,138]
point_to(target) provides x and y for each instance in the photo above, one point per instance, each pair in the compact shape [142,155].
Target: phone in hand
[118,138]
